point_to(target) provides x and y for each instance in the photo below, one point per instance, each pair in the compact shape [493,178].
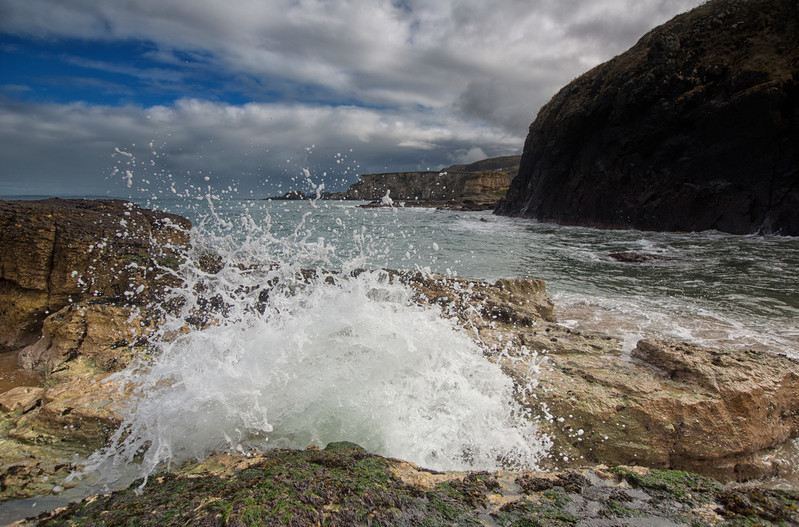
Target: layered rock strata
[77,279]
[693,128]
[57,252]
[722,413]
[477,186]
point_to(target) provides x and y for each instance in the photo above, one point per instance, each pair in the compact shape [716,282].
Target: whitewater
[290,332]
[708,288]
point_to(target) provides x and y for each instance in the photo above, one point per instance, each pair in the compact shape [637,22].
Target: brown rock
[95,330]
[516,301]
[676,406]
[80,414]
[55,252]
[22,398]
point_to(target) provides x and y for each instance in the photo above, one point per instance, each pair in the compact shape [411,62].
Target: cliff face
[693,128]
[427,186]
[56,252]
[480,183]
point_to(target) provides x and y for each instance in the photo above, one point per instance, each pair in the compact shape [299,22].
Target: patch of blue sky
[109,73]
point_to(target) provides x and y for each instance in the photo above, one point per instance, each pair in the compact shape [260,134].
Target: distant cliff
[477,185]
[696,127]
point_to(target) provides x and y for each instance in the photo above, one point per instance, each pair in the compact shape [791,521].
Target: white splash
[263,354]
[386,200]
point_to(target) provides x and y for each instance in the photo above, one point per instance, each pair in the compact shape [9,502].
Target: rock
[96,330]
[77,282]
[676,406]
[693,128]
[292,195]
[76,415]
[22,398]
[516,301]
[478,186]
[56,252]
[636,257]
[344,485]
[721,413]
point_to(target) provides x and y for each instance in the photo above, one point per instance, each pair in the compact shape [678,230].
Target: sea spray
[264,347]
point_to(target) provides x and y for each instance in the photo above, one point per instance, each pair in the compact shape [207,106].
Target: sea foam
[258,352]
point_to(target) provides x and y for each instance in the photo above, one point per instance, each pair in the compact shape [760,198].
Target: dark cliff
[693,128]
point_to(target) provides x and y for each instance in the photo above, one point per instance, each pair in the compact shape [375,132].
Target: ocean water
[708,288]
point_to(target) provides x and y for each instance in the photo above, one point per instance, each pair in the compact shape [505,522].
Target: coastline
[508,315]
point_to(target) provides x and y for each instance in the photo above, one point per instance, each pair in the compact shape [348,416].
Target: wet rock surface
[345,485]
[693,128]
[76,281]
[669,405]
[60,251]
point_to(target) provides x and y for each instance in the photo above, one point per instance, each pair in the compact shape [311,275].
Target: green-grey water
[709,288]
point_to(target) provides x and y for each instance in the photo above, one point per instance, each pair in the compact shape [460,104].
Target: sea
[707,288]
[321,359]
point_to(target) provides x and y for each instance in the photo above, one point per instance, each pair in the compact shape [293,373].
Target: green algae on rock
[345,485]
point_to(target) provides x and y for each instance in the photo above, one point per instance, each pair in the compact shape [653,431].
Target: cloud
[257,146]
[434,53]
[410,84]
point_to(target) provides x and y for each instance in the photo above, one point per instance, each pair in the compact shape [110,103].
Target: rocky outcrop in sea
[694,128]
[476,186]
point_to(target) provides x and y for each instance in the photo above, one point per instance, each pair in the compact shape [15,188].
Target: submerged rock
[693,128]
[636,257]
[344,485]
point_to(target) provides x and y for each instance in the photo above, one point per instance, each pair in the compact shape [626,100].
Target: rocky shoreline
[721,413]
[345,485]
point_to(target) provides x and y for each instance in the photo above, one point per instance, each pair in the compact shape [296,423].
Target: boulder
[76,415]
[722,413]
[693,128]
[675,406]
[100,331]
[21,398]
[56,252]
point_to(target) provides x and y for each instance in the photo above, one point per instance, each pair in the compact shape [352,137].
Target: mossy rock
[344,484]
[339,485]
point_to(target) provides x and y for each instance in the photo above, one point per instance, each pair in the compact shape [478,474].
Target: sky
[137,97]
